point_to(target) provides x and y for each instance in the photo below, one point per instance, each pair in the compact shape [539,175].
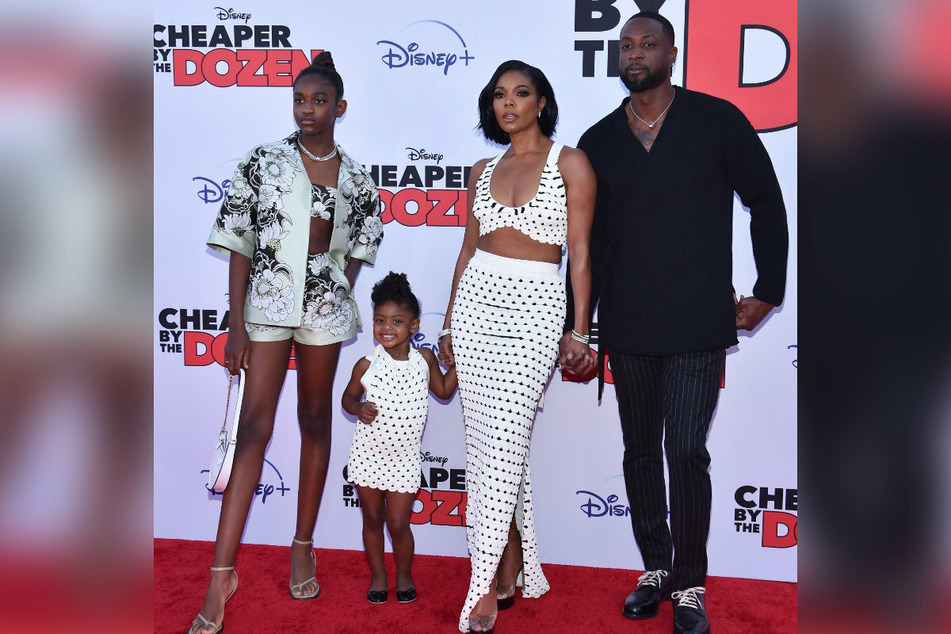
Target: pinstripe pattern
[666,405]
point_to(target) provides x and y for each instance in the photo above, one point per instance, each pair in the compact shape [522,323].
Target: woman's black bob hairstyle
[549,116]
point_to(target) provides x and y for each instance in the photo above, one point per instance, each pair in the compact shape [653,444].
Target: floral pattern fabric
[322,205]
[327,301]
[366,230]
[269,202]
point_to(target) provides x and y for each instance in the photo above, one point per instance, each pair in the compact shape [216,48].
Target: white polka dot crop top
[544,218]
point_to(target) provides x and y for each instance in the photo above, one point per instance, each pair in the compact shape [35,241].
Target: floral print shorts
[330,314]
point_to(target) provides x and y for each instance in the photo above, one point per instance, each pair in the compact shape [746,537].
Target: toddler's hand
[445,351]
[368,412]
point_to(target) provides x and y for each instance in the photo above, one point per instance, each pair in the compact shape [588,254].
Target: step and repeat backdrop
[412,73]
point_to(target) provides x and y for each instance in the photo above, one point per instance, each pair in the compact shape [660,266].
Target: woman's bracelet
[442,333]
[577,336]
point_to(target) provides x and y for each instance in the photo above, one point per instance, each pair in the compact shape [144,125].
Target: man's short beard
[651,80]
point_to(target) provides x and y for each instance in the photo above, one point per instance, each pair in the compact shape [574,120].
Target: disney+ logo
[429,322]
[266,487]
[412,54]
[597,506]
[418,341]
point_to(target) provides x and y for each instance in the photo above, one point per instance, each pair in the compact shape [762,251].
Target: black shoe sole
[665,596]
[379,598]
[642,615]
[506,603]
[404,596]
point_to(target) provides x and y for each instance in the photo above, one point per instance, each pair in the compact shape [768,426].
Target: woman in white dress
[505,318]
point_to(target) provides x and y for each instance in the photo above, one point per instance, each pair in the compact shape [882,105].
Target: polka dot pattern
[506,321]
[385,454]
[544,218]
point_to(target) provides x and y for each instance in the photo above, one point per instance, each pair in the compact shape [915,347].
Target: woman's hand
[237,350]
[575,357]
[445,351]
[367,412]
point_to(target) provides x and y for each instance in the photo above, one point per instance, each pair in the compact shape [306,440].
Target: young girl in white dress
[385,455]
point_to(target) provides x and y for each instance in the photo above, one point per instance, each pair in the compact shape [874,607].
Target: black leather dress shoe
[377,596]
[406,596]
[690,612]
[652,587]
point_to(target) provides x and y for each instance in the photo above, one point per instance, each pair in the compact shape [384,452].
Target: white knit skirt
[507,318]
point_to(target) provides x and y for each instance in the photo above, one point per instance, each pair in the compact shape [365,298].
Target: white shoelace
[689,597]
[651,577]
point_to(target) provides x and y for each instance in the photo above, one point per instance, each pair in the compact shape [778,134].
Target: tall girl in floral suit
[299,219]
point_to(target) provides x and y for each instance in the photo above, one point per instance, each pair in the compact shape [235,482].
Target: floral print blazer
[266,217]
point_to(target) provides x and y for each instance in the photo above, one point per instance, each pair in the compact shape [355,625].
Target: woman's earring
[539,114]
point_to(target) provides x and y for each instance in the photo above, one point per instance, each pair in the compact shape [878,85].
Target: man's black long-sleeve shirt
[661,245]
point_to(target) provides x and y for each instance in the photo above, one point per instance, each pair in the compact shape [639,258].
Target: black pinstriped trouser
[666,405]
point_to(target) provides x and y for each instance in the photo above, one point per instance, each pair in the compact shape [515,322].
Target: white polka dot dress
[507,318]
[385,454]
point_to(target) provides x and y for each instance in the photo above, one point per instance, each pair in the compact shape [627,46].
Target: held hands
[237,350]
[750,312]
[445,351]
[367,412]
[574,356]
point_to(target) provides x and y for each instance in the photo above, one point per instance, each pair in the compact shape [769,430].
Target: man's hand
[575,357]
[750,312]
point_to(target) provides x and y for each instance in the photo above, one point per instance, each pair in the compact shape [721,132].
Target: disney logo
[231,14]
[425,456]
[795,362]
[423,155]
[419,341]
[398,56]
[211,192]
[262,490]
[597,506]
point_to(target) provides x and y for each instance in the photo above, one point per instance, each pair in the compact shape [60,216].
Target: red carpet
[581,600]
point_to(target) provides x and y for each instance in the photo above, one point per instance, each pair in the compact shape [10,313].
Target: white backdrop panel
[423,116]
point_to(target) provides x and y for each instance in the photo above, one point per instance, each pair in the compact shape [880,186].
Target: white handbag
[222,458]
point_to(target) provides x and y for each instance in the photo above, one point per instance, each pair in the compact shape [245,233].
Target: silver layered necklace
[649,124]
[313,156]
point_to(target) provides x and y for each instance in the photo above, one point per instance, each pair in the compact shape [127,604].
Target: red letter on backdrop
[423,515]
[772,520]
[182,58]
[713,53]
[192,340]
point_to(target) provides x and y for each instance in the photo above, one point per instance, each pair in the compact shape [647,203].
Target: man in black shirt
[668,161]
